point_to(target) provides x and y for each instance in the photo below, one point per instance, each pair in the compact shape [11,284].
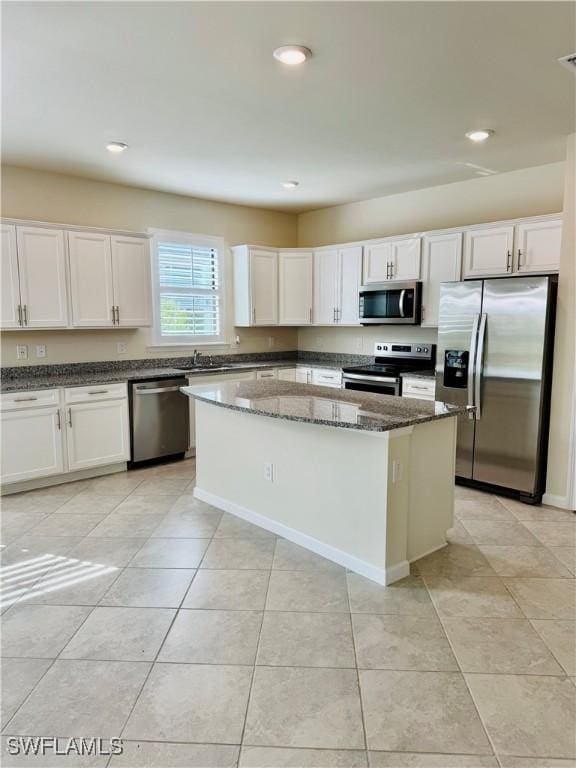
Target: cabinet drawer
[287,374]
[272,374]
[420,388]
[95,392]
[326,378]
[16,401]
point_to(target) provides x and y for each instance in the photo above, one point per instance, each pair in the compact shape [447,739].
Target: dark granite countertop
[18,380]
[343,408]
[427,374]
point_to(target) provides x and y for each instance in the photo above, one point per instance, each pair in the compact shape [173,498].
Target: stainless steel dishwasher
[159,419]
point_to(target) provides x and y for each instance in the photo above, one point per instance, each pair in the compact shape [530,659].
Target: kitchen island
[364,480]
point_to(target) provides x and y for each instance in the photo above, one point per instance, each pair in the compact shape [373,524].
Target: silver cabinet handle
[310,315]
[25,311]
[117,315]
[254,315]
[479,365]
[19,314]
[417,386]
[69,417]
[58,420]
[24,399]
[401,304]
[337,314]
[519,257]
[508,261]
[113,316]
[98,392]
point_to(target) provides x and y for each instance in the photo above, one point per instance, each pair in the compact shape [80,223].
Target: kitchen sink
[205,368]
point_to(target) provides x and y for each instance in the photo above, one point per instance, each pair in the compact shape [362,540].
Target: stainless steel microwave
[391,303]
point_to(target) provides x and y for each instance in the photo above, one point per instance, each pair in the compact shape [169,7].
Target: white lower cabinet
[287,374]
[419,388]
[52,432]
[272,373]
[303,375]
[32,444]
[325,377]
[97,433]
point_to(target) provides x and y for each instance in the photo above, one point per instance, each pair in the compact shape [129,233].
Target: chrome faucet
[196,357]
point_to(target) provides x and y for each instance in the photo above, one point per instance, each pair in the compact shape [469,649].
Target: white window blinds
[189,287]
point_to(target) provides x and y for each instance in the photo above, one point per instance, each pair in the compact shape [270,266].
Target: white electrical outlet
[40,350]
[22,352]
[237,341]
[269,471]
[121,347]
[396,471]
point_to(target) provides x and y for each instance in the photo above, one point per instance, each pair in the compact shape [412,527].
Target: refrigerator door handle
[472,363]
[479,365]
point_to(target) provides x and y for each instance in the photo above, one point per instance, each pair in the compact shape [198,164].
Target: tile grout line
[362,718]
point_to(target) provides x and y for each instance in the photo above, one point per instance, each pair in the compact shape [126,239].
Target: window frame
[187,238]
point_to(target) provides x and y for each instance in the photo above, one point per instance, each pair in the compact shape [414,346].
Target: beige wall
[561,462]
[43,196]
[527,192]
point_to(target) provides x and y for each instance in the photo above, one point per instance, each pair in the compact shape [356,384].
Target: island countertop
[346,409]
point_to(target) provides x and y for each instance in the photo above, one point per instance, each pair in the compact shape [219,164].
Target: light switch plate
[40,350]
[121,348]
[22,352]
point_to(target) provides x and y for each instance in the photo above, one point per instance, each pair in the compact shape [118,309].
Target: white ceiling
[382,107]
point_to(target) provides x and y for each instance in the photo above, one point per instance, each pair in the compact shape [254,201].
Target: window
[188,291]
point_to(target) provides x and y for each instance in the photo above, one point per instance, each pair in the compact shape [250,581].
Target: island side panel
[329,488]
[399,481]
[431,505]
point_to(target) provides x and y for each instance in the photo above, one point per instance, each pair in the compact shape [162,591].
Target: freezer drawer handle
[156,390]
[479,365]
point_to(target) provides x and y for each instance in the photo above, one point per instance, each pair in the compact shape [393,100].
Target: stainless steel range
[391,360]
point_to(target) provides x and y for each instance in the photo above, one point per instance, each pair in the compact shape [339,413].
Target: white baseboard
[556,501]
[67,477]
[372,572]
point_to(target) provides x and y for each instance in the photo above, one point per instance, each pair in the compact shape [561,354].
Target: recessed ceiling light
[290,184]
[292,54]
[480,135]
[116,147]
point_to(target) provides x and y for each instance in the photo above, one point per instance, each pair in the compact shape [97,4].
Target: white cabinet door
[287,374]
[377,262]
[11,311]
[295,288]
[31,444]
[406,259]
[350,277]
[42,266]
[97,433]
[441,263]
[91,279]
[326,287]
[131,275]
[488,251]
[538,246]
[264,287]
[304,375]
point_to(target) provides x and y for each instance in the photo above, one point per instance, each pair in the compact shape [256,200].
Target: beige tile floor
[133,610]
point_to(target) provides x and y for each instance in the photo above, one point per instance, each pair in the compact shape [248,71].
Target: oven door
[390,303]
[382,385]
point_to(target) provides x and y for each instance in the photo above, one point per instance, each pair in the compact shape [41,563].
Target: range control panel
[391,349]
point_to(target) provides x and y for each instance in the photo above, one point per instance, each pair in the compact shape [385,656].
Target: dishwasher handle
[156,390]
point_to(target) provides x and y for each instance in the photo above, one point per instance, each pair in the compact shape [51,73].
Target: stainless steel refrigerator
[495,345]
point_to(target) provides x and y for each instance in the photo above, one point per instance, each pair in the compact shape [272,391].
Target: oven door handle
[401,305]
[368,379]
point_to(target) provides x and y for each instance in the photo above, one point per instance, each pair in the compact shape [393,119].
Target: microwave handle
[401,306]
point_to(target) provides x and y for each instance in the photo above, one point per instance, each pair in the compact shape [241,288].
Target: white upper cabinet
[392,260]
[538,245]
[295,287]
[255,286]
[441,263]
[350,269]
[11,305]
[131,280]
[326,286]
[91,279]
[42,271]
[488,251]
